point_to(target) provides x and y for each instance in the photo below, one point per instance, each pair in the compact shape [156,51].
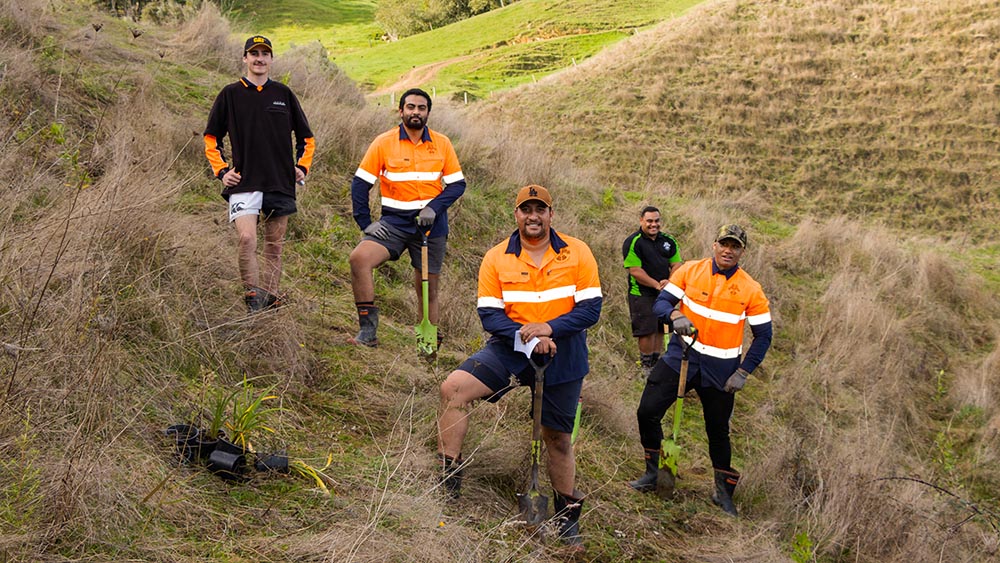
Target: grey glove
[736,381]
[426,216]
[377,230]
[682,326]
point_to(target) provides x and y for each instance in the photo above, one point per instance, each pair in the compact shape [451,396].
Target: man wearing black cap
[716,297]
[259,115]
[539,292]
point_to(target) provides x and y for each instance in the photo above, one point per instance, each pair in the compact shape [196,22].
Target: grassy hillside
[883,111]
[504,47]
[869,434]
[340,25]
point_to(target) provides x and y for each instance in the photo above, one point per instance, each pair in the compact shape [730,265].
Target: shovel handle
[536,411]
[423,257]
[682,384]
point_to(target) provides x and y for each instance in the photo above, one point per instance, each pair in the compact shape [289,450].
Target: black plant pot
[229,461]
[277,463]
[229,447]
[207,445]
[187,440]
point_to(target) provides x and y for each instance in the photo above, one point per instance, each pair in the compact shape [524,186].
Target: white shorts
[247,203]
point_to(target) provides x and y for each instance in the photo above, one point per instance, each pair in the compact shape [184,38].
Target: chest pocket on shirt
[397,164]
[733,303]
[430,164]
[513,278]
[698,295]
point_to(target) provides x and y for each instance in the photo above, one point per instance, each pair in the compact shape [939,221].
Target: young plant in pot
[249,417]
[218,410]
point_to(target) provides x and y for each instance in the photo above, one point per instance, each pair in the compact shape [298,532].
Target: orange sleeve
[306,160]
[214,155]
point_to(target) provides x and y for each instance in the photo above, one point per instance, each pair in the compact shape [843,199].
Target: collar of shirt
[247,84]
[728,273]
[425,137]
[514,245]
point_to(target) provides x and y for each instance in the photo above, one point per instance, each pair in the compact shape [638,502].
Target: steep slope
[507,46]
[886,111]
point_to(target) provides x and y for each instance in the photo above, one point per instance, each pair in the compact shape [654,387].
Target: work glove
[426,216]
[736,381]
[377,230]
[682,326]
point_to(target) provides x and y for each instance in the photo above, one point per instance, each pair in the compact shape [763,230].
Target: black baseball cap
[257,41]
[734,232]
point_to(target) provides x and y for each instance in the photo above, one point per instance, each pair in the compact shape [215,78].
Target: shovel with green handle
[666,477]
[426,332]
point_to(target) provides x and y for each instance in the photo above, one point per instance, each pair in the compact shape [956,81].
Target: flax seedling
[250,414]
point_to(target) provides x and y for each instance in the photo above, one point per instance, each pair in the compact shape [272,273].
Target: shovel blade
[534,507]
[666,484]
[666,477]
[426,337]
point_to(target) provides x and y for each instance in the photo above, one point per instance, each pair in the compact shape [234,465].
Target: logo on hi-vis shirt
[236,207]
[667,246]
[563,254]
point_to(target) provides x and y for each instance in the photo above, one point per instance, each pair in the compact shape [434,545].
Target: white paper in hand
[524,347]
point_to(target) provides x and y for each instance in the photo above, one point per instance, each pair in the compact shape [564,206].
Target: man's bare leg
[246,231]
[274,239]
[365,257]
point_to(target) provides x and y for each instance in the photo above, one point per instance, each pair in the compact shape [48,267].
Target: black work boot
[725,485]
[256,299]
[272,301]
[368,321]
[647,482]
[568,509]
[451,475]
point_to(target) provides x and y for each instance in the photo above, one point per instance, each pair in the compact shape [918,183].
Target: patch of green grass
[513,65]
[528,24]
[985,261]
[340,25]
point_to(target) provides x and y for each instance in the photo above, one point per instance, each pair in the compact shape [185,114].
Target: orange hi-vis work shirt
[411,176]
[565,292]
[718,304]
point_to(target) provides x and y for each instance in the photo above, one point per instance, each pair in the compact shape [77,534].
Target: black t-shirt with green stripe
[654,256]
[260,123]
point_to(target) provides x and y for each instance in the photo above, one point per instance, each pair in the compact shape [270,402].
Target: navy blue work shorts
[559,402]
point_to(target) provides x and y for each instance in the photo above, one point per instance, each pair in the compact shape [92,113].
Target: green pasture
[496,50]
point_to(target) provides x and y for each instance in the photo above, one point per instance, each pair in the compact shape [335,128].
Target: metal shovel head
[427,335]
[534,507]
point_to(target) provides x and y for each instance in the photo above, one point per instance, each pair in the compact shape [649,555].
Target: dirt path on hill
[418,76]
